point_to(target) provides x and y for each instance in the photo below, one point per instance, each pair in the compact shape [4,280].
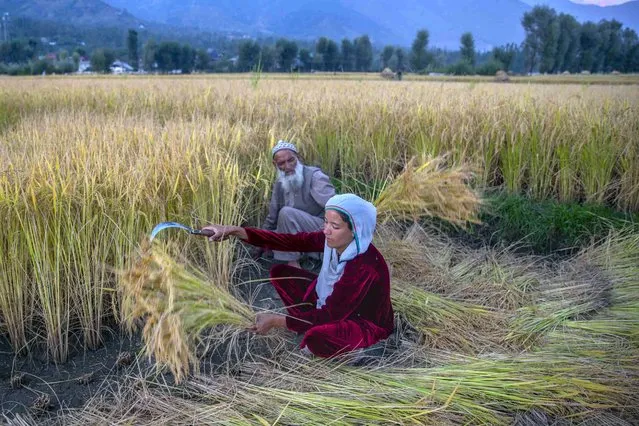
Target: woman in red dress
[347,306]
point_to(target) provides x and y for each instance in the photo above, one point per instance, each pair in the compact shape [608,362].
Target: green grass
[547,226]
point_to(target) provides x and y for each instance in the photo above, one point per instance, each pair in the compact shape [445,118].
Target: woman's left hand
[265,322]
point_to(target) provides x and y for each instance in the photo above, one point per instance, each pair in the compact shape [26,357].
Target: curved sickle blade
[164,225]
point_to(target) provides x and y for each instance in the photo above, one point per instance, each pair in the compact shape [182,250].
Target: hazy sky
[601,2]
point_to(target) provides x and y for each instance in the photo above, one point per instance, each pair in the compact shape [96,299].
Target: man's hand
[260,252]
[265,322]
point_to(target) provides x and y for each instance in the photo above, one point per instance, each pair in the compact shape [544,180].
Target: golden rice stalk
[178,304]
[430,190]
[447,324]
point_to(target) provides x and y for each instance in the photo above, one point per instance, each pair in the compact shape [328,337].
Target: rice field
[89,165]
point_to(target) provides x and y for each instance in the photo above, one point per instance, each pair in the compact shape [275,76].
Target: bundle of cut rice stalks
[492,278]
[447,324]
[430,190]
[469,391]
[178,303]
[618,256]
[596,292]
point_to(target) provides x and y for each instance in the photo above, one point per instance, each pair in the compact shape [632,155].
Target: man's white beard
[294,181]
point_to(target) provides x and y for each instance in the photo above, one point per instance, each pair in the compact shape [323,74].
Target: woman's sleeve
[302,241]
[348,294]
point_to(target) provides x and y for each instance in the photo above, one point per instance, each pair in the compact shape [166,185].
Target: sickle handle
[203,232]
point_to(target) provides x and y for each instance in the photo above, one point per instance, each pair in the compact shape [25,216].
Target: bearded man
[298,198]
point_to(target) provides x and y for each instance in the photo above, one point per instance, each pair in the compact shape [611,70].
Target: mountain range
[492,22]
[75,12]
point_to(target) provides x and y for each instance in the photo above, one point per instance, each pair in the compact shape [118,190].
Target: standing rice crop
[105,159]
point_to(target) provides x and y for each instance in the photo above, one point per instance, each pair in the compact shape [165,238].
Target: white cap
[283,145]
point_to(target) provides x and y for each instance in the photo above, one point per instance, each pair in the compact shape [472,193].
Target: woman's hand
[265,322]
[223,232]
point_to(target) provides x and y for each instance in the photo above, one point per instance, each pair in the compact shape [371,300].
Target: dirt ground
[25,382]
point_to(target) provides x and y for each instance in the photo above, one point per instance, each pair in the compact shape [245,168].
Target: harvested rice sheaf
[447,324]
[597,292]
[178,304]
[430,190]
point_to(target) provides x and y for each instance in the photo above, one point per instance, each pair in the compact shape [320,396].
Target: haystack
[388,74]
[502,76]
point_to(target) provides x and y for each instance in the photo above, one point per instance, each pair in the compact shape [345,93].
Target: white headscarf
[363,217]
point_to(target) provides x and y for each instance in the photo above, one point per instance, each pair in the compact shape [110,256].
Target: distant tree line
[325,55]
[554,43]
[38,46]
[20,57]
[557,43]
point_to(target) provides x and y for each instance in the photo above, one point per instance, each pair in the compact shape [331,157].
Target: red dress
[356,315]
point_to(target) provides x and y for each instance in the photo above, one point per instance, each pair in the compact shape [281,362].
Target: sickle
[165,225]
